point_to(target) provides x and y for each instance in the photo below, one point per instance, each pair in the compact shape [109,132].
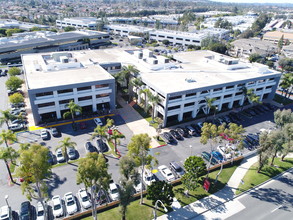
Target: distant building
[275,36]
[288,50]
[78,23]
[54,79]
[246,47]
[125,30]
[43,41]
[10,23]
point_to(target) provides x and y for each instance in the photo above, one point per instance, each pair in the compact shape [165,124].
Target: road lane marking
[276,208]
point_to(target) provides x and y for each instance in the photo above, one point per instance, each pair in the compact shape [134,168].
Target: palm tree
[250,95]
[116,136]
[287,83]
[154,100]
[209,105]
[137,83]
[64,144]
[6,117]
[5,155]
[100,131]
[146,93]
[73,108]
[7,135]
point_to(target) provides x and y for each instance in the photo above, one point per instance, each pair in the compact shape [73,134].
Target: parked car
[225,152]
[102,197]
[71,152]
[102,146]
[25,211]
[50,158]
[44,134]
[191,130]
[98,121]
[182,131]
[207,157]
[176,134]
[84,198]
[166,172]
[18,121]
[40,211]
[59,155]
[176,168]
[70,203]
[147,176]
[16,127]
[113,191]
[54,132]
[5,213]
[218,156]
[89,147]
[137,186]
[168,137]
[58,210]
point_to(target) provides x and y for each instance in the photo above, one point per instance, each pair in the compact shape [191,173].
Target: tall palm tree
[7,135]
[73,108]
[154,100]
[64,144]
[209,105]
[6,117]
[125,74]
[250,95]
[5,155]
[116,136]
[137,83]
[146,93]
[100,131]
[287,83]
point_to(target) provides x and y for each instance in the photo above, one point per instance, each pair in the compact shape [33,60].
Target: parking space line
[34,128]
[154,171]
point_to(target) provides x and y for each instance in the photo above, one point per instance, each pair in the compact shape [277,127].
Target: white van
[98,121]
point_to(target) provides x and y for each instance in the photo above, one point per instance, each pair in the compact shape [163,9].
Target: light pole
[190,150]
[6,200]
[216,109]
[156,206]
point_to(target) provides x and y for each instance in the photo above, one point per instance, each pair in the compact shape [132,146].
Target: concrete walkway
[216,200]
[136,123]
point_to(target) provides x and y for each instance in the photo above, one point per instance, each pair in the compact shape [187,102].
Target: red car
[226,137]
[82,125]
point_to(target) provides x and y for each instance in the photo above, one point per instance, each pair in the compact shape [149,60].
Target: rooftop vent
[190,80]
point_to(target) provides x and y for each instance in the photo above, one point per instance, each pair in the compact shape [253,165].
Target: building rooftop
[62,68]
[278,35]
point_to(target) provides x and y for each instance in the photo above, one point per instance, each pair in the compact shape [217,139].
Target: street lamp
[6,200]
[156,206]
[190,150]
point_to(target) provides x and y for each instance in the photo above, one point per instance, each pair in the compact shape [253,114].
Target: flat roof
[80,69]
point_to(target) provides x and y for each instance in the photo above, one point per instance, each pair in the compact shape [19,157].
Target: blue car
[217,155]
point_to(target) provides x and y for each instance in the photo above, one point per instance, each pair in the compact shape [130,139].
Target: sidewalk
[216,200]
[136,123]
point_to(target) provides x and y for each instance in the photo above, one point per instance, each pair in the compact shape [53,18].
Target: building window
[251,83]
[259,89]
[217,89]
[190,94]
[101,86]
[84,88]
[175,97]
[238,93]
[46,104]
[189,104]
[269,87]
[170,37]
[161,36]
[64,91]
[261,81]
[227,96]
[204,92]
[272,79]
[218,98]
[174,107]
[187,40]
[178,38]
[102,95]
[229,87]
[66,101]
[240,85]
[195,41]
[43,94]
[85,98]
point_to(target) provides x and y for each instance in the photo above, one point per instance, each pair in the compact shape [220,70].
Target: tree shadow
[54,182]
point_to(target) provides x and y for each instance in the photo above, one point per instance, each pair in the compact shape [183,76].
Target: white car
[147,176]
[40,211]
[16,127]
[59,155]
[167,173]
[138,186]
[84,198]
[70,203]
[44,134]
[225,152]
[58,210]
[98,121]
[5,213]
[114,194]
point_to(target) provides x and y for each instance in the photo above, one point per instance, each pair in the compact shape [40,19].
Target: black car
[50,158]
[176,168]
[168,137]
[176,134]
[182,131]
[90,148]
[25,211]
[102,146]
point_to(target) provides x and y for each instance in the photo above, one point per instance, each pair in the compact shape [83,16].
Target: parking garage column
[94,99]
[57,106]
[180,115]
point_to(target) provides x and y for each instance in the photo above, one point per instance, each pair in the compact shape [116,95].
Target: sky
[256,1]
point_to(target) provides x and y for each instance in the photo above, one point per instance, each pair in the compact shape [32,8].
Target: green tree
[160,190]
[69,28]
[7,136]
[255,57]
[73,108]
[288,135]
[218,47]
[263,150]
[13,71]
[9,32]
[249,95]
[154,100]
[5,117]
[115,137]
[287,83]
[137,84]
[5,155]
[16,98]
[146,93]
[126,192]
[283,117]
[281,43]
[195,168]
[138,149]
[286,64]
[93,173]
[35,170]
[64,145]
[277,142]
[209,104]
[14,83]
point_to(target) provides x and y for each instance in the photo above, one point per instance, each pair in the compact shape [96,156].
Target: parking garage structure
[54,79]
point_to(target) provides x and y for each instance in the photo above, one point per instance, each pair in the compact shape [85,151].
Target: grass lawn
[160,140]
[200,192]
[282,100]
[134,211]
[252,178]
